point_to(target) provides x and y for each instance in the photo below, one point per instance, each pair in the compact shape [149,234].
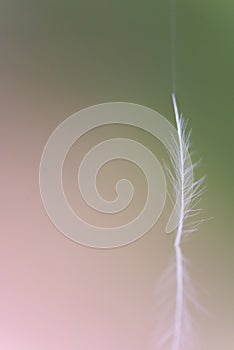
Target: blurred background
[58,57]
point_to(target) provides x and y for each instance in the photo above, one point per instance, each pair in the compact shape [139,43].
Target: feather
[176,329]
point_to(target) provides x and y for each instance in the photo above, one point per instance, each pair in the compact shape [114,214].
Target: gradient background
[58,57]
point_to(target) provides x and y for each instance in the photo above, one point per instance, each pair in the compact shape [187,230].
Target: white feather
[177,328]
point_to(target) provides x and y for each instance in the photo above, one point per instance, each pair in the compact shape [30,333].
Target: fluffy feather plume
[177,327]
[187,192]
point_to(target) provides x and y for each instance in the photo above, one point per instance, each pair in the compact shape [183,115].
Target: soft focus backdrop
[58,57]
